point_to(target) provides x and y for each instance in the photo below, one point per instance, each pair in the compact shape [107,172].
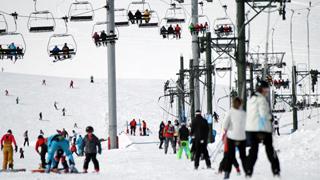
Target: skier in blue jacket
[79,145]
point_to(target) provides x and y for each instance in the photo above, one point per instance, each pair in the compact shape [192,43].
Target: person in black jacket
[184,141]
[90,144]
[200,132]
[161,137]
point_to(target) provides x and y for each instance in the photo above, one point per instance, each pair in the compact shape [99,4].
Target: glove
[16,149]
[99,151]
[1,147]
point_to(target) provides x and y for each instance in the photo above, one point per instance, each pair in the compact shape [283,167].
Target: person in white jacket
[259,129]
[234,126]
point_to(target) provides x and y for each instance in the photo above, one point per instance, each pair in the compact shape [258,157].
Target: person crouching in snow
[184,141]
[91,145]
[42,143]
[234,126]
[6,146]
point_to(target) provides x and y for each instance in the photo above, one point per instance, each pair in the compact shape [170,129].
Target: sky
[142,53]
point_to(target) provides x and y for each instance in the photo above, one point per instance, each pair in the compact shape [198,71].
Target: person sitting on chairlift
[163,32]
[19,52]
[1,52]
[131,17]
[146,16]
[191,28]
[138,16]
[197,28]
[96,39]
[103,37]
[66,51]
[170,30]
[13,51]
[177,30]
[55,52]
[206,26]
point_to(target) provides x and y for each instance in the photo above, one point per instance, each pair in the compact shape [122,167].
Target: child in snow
[42,143]
[184,141]
[21,151]
[91,146]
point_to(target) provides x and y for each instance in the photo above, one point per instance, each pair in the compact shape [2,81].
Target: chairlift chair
[60,40]
[146,21]
[166,34]
[41,21]
[3,24]
[19,42]
[110,37]
[121,18]
[175,15]
[81,11]
[223,27]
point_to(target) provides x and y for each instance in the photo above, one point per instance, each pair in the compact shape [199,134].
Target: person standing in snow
[17,100]
[161,136]
[176,132]
[259,129]
[91,79]
[44,83]
[168,134]
[200,133]
[55,104]
[234,127]
[63,111]
[40,116]
[6,92]
[71,84]
[184,141]
[144,128]
[21,151]
[26,138]
[79,145]
[6,146]
[91,146]
[133,126]
[42,143]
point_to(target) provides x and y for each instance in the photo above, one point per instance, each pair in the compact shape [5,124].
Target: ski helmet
[89,129]
[9,131]
[262,84]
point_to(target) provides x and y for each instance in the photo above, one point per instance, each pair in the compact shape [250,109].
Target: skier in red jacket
[42,142]
[133,125]
[168,134]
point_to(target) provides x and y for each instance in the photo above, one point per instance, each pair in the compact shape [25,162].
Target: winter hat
[198,112]
[89,129]
[262,84]
[9,131]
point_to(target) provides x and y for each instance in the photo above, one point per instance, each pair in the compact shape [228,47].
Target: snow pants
[255,139]
[7,156]
[231,154]
[222,164]
[166,145]
[55,145]
[184,146]
[201,148]
[89,157]
[43,152]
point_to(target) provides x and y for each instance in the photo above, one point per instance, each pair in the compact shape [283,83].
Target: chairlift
[223,27]
[101,37]
[81,11]
[165,31]
[121,18]
[41,21]
[140,12]
[62,46]
[175,14]
[3,24]
[12,46]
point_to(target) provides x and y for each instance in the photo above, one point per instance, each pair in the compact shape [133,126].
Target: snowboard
[59,171]
[12,170]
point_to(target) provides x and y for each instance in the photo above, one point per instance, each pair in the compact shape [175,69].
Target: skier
[44,83]
[55,142]
[144,127]
[17,100]
[200,132]
[161,136]
[57,158]
[40,116]
[73,138]
[6,92]
[184,141]
[79,144]
[176,132]
[91,146]
[276,125]
[234,127]
[41,142]
[133,125]
[55,104]
[71,84]
[168,134]
[65,133]
[75,125]
[41,132]
[26,138]
[259,129]
[63,111]
[6,146]
[91,79]
[21,151]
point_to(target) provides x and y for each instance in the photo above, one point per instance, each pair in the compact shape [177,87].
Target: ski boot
[10,167]
[73,169]
[226,175]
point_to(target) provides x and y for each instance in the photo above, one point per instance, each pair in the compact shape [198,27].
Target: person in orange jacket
[42,143]
[6,146]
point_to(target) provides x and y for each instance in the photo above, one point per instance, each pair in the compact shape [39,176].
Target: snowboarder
[71,84]
[91,146]
[168,134]
[17,100]
[26,138]
[6,92]
[91,79]
[161,136]
[200,133]
[41,142]
[133,126]
[56,142]
[40,116]
[6,146]
[144,128]
[234,127]
[21,151]
[276,125]
[55,104]
[44,83]
[184,141]
[63,111]
[259,129]
[60,157]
